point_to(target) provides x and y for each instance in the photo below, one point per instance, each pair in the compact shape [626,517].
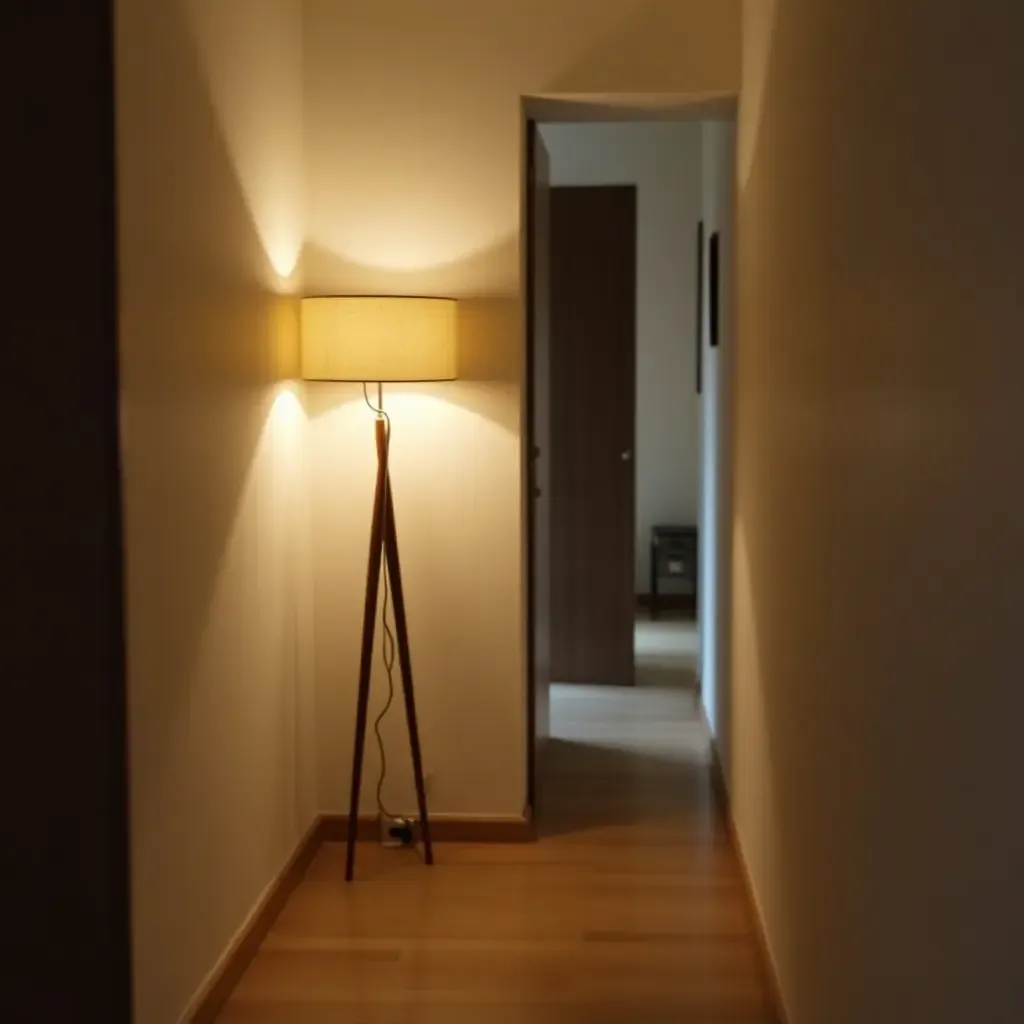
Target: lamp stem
[380,394]
[384,548]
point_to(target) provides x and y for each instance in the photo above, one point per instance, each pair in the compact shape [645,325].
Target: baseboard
[444,828]
[686,603]
[771,974]
[215,991]
[225,976]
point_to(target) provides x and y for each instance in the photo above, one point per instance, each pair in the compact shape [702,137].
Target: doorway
[614,441]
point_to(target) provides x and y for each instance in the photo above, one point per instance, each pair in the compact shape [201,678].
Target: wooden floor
[628,910]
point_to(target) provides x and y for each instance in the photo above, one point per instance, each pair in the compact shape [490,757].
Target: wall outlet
[395,832]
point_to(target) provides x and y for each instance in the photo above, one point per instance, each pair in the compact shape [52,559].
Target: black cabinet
[673,557]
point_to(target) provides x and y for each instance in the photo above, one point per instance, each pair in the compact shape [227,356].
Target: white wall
[879,506]
[414,161]
[718,151]
[663,160]
[220,682]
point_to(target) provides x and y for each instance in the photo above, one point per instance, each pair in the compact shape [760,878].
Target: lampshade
[378,338]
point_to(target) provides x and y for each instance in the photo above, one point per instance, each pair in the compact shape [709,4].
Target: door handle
[626,455]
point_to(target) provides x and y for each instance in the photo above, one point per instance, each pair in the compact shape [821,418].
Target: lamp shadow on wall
[265,152]
[176,354]
[477,272]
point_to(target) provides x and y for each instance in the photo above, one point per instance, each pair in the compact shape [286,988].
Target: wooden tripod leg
[366,655]
[405,661]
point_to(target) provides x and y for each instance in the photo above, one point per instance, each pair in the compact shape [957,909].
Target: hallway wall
[210,180]
[663,159]
[414,135]
[879,506]
[718,146]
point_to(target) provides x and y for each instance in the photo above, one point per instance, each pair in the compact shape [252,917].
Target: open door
[593,412]
[538,440]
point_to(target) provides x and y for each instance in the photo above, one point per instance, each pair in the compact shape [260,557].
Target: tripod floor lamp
[379,340]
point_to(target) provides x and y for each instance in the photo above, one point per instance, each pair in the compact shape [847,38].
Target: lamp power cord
[388,638]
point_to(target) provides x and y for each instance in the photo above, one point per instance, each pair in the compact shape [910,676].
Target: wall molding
[216,989]
[768,967]
[686,603]
[444,828]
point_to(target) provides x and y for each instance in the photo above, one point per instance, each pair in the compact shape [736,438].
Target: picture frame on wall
[700,307]
[713,297]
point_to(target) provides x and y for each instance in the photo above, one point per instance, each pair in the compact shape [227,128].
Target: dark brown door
[539,456]
[593,389]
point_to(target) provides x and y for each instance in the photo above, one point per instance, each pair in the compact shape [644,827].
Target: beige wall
[413,122]
[663,161]
[210,169]
[879,506]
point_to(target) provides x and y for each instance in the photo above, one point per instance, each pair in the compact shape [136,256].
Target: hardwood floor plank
[299,1012]
[630,906]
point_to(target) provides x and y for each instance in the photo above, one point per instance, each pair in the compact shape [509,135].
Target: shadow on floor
[598,785]
[666,675]
[623,756]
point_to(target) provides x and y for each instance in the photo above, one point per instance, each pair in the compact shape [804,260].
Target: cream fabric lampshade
[378,338]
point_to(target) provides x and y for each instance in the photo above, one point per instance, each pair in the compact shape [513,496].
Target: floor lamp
[379,340]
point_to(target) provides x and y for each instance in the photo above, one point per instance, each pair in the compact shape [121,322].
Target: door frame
[530,129]
[552,108]
[69,895]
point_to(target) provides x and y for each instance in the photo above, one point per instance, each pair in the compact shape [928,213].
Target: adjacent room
[619,509]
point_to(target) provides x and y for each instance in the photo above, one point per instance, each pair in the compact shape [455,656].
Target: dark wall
[64,852]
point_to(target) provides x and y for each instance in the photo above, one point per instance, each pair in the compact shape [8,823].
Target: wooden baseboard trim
[225,976]
[443,829]
[327,828]
[718,786]
[771,975]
